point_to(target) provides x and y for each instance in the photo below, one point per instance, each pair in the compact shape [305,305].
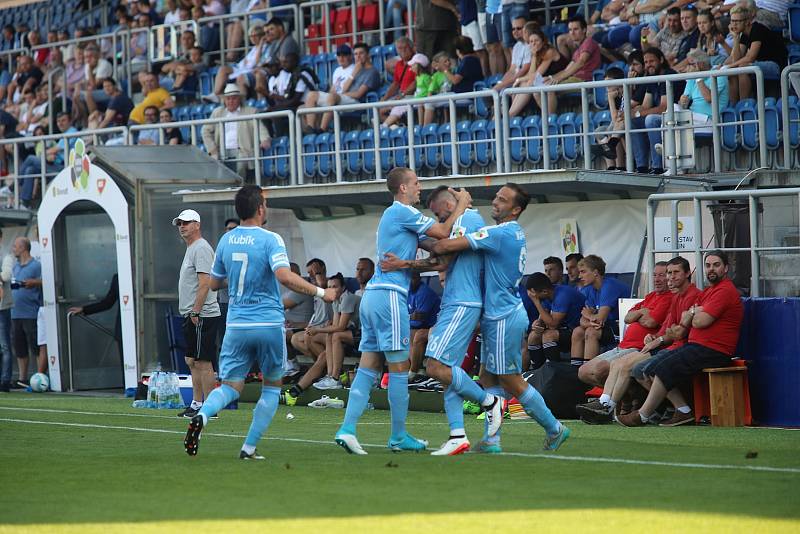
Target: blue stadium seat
[399,141]
[794,22]
[280,148]
[464,137]
[309,155]
[481,109]
[268,166]
[730,138]
[481,148]
[600,93]
[430,138]
[366,143]
[491,136]
[746,109]
[352,143]
[771,124]
[388,52]
[493,79]
[443,133]
[515,140]
[376,57]
[372,96]
[207,109]
[324,143]
[321,68]
[553,143]
[385,150]
[794,117]
[570,145]
[532,127]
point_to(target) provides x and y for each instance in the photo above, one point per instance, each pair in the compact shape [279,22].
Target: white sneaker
[327,382]
[452,447]
[327,402]
[494,416]
[349,443]
[659,148]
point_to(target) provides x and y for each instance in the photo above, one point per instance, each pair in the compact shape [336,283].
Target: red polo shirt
[722,302]
[404,75]
[658,307]
[680,303]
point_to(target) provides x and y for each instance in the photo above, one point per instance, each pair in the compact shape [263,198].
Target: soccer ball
[40,382]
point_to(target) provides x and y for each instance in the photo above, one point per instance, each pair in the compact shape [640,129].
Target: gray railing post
[587,147]
[715,127]
[755,260]
[546,126]
[626,113]
[506,137]
[669,149]
[762,135]
[292,151]
[453,133]
[337,145]
[376,132]
[698,239]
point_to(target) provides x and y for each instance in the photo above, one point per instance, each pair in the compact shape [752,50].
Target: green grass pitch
[88,464]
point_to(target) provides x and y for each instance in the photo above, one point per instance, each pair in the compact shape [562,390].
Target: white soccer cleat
[349,443]
[452,447]
[494,416]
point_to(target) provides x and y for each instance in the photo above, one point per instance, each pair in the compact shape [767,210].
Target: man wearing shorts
[198,306]
[26,289]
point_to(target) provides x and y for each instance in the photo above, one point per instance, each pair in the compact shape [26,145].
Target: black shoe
[609,148]
[191,441]
[643,170]
[255,456]
[188,413]
[657,170]
[417,381]
[21,385]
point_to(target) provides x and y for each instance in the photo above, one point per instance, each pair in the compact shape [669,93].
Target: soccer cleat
[349,443]
[407,443]
[255,456]
[327,402]
[494,416]
[192,439]
[452,447]
[471,408]
[287,398]
[417,381]
[487,447]
[188,413]
[552,443]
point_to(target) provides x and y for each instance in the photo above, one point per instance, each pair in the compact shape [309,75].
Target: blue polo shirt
[26,301]
[424,300]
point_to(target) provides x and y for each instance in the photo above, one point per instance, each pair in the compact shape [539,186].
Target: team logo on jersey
[483,233]
[458,231]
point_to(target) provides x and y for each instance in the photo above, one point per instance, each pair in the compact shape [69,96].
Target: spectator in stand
[403,79]
[154,95]
[393,17]
[75,70]
[573,272]
[468,71]
[42,55]
[232,142]
[669,38]
[545,61]
[172,136]
[168,70]
[520,61]
[213,8]
[772,13]
[117,111]
[585,59]
[234,31]
[36,112]
[425,84]
[714,324]
[471,29]
[344,330]
[753,44]
[559,308]
[423,308]
[711,40]
[690,42]
[54,158]
[365,268]
[598,324]
[5,79]
[437,26]
[696,97]
[96,69]
[342,73]
[646,113]
[434,84]
[512,10]
[8,39]
[293,85]
[171,14]
[613,145]
[281,43]
[671,334]
[27,76]
[241,73]
[187,72]
[26,289]
[149,136]
[493,22]
[645,318]
[6,303]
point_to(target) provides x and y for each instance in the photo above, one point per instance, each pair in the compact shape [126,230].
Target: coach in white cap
[198,305]
[234,141]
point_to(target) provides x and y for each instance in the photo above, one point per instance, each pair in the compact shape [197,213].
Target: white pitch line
[790,470]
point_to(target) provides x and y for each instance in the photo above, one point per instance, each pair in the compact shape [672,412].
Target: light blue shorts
[501,349]
[449,338]
[384,321]
[241,347]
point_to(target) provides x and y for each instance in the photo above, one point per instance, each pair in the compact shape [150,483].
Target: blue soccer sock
[398,402]
[466,387]
[357,401]
[498,392]
[217,400]
[262,416]
[454,408]
[534,405]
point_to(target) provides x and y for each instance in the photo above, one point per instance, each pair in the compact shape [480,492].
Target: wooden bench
[728,400]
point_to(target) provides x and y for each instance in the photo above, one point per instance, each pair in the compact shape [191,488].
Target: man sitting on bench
[714,324]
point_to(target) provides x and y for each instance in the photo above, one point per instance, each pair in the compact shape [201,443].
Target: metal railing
[355,34]
[257,157]
[373,110]
[668,127]
[785,118]
[12,55]
[697,199]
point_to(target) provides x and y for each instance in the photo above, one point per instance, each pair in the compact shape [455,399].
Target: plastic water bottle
[152,390]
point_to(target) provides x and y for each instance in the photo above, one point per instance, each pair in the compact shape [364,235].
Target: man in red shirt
[644,318]
[683,295]
[713,325]
[403,79]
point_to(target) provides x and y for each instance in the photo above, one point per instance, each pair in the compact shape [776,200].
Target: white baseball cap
[186,216]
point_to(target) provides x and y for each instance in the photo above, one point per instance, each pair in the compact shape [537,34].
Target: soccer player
[460,311]
[384,313]
[504,320]
[252,261]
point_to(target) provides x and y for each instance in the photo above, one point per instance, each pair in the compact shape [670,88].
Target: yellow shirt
[154,98]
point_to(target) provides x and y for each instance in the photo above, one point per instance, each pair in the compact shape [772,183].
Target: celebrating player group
[483,265]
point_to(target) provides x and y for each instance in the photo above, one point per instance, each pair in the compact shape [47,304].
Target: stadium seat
[570,143]
[443,133]
[352,144]
[385,149]
[531,128]
[323,144]
[376,57]
[321,68]
[430,140]
[746,109]
[399,142]
[794,22]
[730,140]
[280,149]
[480,135]
[309,155]
[771,124]
[794,117]
[366,144]
[600,93]
[553,142]
[464,137]
[268,165]
[515,141]
[481,109]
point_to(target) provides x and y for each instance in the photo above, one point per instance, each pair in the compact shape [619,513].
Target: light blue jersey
[463,282]
[249,256]
[504,253]
[398,232]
